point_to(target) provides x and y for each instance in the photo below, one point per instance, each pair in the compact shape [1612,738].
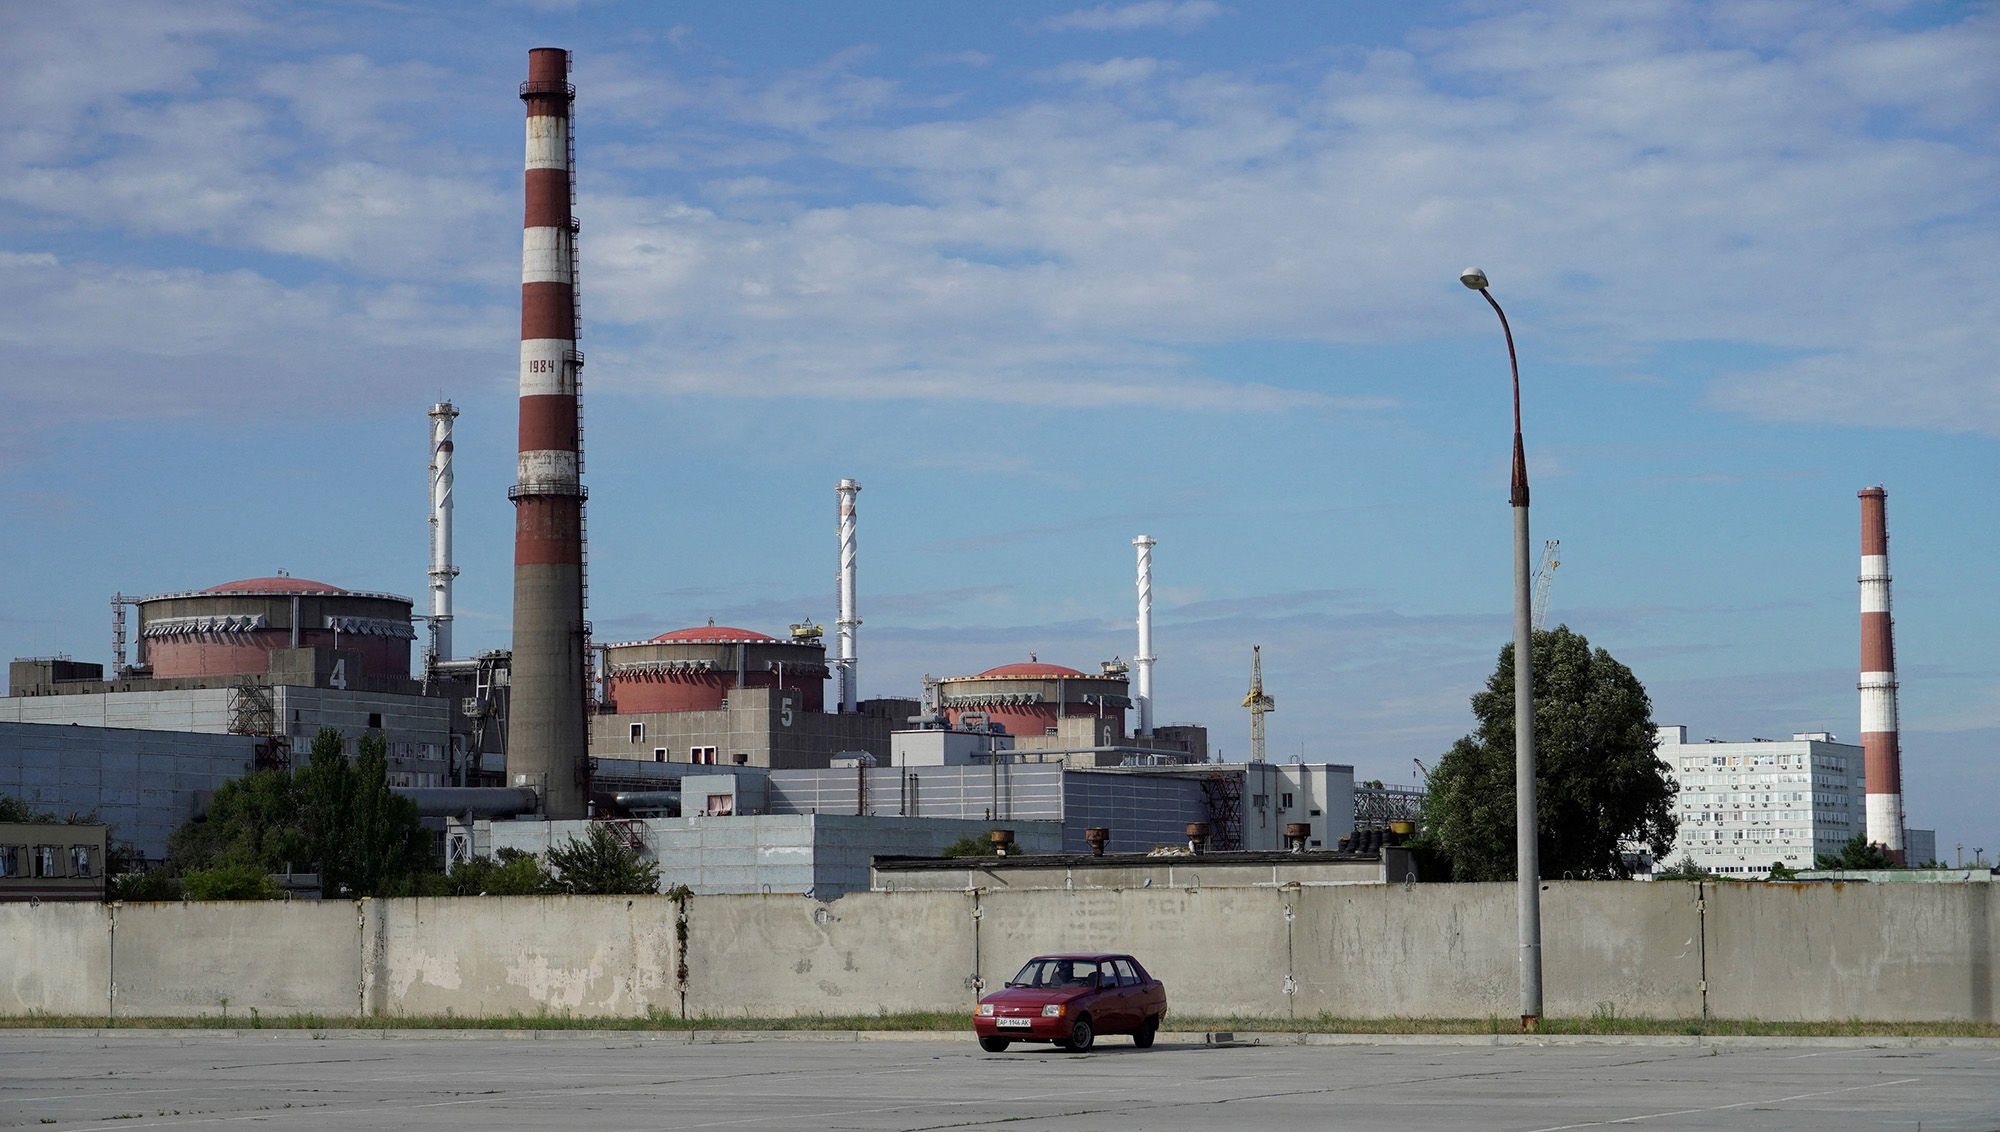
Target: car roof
[1082,955]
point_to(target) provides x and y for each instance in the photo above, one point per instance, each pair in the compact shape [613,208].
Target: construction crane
[1426,771]
[1543,577]
[1258,703]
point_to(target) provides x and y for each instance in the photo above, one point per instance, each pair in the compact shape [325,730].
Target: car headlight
[1052,1011]
[986,1010]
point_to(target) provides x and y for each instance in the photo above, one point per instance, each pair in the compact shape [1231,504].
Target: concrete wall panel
[864,953]
[528,955]
[1908,952]
[279,958]
[56,958]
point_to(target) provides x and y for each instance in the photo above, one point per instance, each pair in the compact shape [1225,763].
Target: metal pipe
[548,742]
[441,571]
[1144,660]
[1527,846]
[1880,738]
[479,801]
[848,662]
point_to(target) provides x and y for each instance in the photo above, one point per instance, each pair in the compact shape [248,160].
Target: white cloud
[1109,73]
[1172,15]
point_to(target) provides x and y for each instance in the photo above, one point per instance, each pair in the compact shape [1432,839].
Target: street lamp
[1527,851]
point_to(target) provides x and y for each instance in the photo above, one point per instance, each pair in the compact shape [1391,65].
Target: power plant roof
[714,635]
[1036,669]
[282,585]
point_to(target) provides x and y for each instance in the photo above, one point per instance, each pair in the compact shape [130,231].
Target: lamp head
[1474,278]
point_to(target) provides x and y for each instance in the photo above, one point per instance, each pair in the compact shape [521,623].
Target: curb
[1217,1039]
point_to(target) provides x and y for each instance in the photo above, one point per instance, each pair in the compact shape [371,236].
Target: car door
[1149,997]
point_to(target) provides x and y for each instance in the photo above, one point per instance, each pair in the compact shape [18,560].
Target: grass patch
[1601,1022]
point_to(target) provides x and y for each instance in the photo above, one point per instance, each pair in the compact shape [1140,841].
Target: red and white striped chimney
[547,741]
[1884,754]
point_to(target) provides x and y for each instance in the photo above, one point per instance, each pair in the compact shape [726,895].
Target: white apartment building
[1743,806]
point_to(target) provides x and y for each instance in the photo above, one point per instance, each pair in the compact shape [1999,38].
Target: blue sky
[1044,277]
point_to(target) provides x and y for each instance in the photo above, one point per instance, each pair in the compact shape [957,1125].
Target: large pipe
[1144,660]
[1879,740]
[479,801]
[547,737]
[848,625]
[442,571]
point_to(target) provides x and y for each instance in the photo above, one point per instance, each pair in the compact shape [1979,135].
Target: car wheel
[1081,1035]
[1144,1037]
[994,1045]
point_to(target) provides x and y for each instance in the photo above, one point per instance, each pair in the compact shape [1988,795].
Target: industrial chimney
[1144,658]
[547,742]
[848,662]
[1879,741]
[442,571]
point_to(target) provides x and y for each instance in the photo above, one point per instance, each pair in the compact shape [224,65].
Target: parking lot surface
[661,1081]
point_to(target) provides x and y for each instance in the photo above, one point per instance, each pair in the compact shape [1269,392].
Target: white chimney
[442,571]
[847,664]
[1144,659]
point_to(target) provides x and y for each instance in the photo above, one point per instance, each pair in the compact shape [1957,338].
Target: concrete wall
[1807,952]
[56,959]
[278,957]
[595,956]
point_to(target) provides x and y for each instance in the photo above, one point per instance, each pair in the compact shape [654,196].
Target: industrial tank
[695,669]
[1033,698]
[232,629]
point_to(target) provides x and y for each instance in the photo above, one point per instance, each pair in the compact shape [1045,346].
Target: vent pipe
[848,662]
[442,571]
[1879,740]
[547,741]
[1144,659]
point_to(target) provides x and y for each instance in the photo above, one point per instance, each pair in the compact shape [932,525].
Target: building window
[79,861]
[375,721]
[659,754]
[703,756]
[45,861]
[1284,801]
[721,805]
[10,859]
[637,732]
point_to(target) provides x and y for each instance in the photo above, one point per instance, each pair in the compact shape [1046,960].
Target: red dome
[274,585]
[713,634]
[1031,670]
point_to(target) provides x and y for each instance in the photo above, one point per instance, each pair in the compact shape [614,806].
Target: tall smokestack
[1879,741]
[442,571]
[547,738]
[849,662]
[1144,660]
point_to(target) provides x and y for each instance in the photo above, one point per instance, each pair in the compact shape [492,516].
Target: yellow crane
[1258,703]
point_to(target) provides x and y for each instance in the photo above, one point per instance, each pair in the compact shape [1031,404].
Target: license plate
[1014,1023]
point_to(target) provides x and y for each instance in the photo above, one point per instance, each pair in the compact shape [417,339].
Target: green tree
[231,882]
[1599,782]
[1684,869]
[602,863]
[326,788]
[252,822]
[1855,853]
[968,846]
[510,872]
[1782,871]
[385,836]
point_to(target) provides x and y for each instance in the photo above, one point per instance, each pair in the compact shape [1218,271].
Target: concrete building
[714,695]
[51,861]
[141,783]
[1744,806]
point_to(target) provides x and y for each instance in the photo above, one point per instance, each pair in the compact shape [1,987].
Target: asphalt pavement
[569,1081]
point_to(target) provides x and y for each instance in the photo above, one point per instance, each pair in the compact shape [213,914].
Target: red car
[1069,1000]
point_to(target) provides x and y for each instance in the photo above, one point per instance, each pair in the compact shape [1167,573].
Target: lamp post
[1527,852]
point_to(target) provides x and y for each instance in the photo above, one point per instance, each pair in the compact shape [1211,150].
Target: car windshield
[1057,973]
